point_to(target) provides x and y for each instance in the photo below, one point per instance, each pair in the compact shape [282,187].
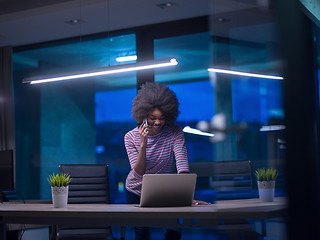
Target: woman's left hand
[198,202]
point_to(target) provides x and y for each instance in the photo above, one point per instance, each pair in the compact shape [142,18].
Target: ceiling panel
[33,21]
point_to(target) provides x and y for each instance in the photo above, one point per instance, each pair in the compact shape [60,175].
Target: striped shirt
[162,150]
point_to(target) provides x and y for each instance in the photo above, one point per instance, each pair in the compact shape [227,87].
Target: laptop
[167,190]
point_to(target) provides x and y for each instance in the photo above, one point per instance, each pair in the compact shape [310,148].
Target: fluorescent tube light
[244,74]
[188,129]
[103,71]
[272,128]
[126,58]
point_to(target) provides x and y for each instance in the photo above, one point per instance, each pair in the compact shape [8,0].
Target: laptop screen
[167,190]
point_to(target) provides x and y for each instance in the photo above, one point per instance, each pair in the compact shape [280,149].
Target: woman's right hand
[143,132]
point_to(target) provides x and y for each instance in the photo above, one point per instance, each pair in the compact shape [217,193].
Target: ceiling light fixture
[126,58]
[244,74]
[74,21]
[166,5]
[188,129]
[103,71]
[272,128]
[222,20]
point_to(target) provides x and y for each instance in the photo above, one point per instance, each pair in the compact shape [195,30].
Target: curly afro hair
[155,95]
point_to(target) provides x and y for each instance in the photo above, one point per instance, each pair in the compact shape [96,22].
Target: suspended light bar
[103,71]
[126,58]
[272,128]
[188,129]
[244,74]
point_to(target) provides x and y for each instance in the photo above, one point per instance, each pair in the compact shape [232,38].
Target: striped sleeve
[180,152]
[134,182]
[131,149]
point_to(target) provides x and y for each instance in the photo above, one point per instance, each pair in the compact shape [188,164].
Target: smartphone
[145,121]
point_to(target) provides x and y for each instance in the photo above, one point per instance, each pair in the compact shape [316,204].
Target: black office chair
[226,180]
[89,184]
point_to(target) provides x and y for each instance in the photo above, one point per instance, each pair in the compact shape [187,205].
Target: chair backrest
[89,184]
[229,179]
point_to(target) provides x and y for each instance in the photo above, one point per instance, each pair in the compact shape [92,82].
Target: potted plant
[266,179]
[59,189]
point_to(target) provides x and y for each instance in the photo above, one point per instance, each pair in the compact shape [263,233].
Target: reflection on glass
[57,123]
[113,120]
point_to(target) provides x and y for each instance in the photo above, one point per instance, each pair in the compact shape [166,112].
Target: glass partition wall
[243,38]
[74,121]
[84,121]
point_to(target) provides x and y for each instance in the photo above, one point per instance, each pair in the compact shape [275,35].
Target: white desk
[130,215]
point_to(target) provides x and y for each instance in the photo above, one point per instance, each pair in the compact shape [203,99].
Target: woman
[157,145]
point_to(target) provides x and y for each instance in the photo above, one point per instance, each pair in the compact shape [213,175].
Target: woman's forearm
[140,166]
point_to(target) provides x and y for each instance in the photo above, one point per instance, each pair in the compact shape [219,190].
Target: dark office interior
[271,119]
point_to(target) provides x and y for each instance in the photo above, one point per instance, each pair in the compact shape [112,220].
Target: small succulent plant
[268,174]
[59,180]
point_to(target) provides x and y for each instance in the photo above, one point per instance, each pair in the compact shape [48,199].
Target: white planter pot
[60,196]
[266,190]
